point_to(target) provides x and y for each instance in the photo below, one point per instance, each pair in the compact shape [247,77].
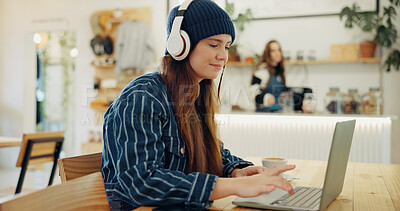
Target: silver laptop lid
[337,163]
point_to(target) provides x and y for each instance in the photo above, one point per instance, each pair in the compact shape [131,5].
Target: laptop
[312,198]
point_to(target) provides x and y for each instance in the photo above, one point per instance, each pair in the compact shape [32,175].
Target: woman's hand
[267,181]
[269,100]
[248,171]
[254,185]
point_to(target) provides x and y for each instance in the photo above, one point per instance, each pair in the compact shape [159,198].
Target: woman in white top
[268,79]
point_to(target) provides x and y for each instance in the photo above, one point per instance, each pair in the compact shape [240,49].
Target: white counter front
[303,136]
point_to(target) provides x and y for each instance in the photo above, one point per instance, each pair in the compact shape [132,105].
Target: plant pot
[367,49]
[233,57]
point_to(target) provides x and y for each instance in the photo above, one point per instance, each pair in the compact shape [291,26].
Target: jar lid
[374,89]
[334,89]
[353,90]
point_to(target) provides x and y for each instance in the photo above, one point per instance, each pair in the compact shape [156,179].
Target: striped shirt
[144,159]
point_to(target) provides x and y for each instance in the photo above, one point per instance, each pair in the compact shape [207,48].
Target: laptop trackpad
[264,199]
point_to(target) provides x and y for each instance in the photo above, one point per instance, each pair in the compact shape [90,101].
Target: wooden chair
[39,148]
[78,166]
[85,193]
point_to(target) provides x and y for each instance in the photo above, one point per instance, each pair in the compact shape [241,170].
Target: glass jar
[299,55]
[309,103]
[311,55]
[286,101]
[372,102]
[332,100]
[351,102]
[286,55]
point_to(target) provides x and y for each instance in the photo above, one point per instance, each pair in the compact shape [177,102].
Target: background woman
[160,137]
[268,78]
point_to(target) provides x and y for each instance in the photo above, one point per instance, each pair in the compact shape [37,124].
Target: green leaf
[390,12]
[392,31]
[396,2]
[345,11]
[249,14]
[368,21]
[233,48]
[356,8]
[352,16]
[230,9]
[393,61]
[383,36]
[243,19]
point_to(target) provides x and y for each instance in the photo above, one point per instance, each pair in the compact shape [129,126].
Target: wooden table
[367,186]
[10,141]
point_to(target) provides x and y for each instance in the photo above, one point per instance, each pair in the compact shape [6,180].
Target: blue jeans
[120,206]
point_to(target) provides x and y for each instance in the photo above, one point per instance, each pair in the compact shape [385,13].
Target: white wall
[11,93]
[315,33]
[306,34]
[19,19]
[391,98]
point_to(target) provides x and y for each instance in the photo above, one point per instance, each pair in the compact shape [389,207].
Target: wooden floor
[36,178]
[10,191]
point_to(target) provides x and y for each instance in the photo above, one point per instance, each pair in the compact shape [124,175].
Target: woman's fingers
[281,183]
[258,170]
[255,185]
[276,170]
[269,188]
[250,170]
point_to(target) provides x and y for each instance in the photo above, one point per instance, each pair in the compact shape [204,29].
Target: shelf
[239,64]
[104,66]
[361,60]
[311,115]
[99,107]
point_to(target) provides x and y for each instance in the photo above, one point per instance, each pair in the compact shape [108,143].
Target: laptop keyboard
[304,197]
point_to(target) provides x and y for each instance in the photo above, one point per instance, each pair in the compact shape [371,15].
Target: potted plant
[240,22]
[382,27]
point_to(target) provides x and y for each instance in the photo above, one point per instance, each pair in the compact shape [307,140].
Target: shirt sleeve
[140,156]
[230,162]
[258,83]
[259,80]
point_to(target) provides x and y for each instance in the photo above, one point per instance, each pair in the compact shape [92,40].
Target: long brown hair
[266,59]
[195,106]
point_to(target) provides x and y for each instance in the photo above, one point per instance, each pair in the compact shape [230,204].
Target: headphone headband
[185,5]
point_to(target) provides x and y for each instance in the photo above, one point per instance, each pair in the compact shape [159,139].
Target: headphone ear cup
[186,47]
[175,45]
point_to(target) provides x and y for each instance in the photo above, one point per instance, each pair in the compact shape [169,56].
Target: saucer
[288,177]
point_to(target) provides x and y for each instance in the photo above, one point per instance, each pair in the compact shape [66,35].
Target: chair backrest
[78,166]
[42,144]
[85,193]
[39,148]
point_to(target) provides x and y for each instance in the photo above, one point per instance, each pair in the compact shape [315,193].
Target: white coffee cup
[269,162]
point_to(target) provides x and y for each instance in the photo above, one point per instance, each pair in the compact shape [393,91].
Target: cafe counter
[303,136]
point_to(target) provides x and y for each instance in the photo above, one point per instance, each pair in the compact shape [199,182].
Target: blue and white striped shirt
[144,159]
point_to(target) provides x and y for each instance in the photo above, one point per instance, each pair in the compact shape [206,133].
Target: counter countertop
[246,112]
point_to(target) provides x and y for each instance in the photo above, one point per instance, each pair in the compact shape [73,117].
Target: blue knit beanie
[203,19]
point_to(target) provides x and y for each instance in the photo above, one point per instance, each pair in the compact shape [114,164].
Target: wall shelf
[104,66]
[102,108]
[361,60]
[239,64]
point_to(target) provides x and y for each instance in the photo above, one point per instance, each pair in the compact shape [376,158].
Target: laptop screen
[337,163]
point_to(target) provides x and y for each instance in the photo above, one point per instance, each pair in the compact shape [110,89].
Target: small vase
[367,49]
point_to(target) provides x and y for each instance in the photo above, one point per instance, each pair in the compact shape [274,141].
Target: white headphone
[178,43]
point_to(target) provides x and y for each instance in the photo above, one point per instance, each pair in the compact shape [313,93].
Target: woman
[160,136]
[268,79]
